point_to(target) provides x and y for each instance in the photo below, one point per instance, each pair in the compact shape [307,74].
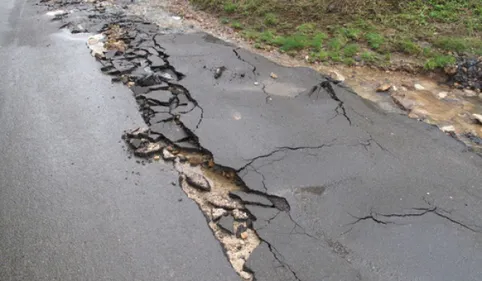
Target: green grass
[439,61]
[230,7]
[351,50]
[368,56]
[374,40]
[270,19]
[429,31]
[237,25]
[409,47]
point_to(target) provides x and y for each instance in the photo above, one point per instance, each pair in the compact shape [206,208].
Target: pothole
[210,186]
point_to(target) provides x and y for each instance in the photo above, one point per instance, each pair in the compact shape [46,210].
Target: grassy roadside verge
[430,33]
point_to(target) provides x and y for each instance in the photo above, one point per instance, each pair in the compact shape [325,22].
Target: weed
[335,56]
[336,43]
[439,61]
[457,44]
[270,19]
[409,47]
[267,36]
[317,41]
[349,61]
[322,55]
[375,40]
[293,42]
[224,20]
[230,7]
[368,56]
[306,28]
[350,50]
[236,25]
[251,34]
[352,33]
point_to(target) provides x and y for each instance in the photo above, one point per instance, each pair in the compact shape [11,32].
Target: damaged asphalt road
[297,177]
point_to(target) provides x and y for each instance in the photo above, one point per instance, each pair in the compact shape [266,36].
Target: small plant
[230,7]
[452,44]
[439,61]
[270,19]
[409,47]
[335,56]
[375,40]
[336,43]
[236,25]
[294,42]
[368,56]
[350,50]
[267,36]
[317,41]
[251,34]
[352,33]
[306,28]
[349,61]
[224,20]
[322,55]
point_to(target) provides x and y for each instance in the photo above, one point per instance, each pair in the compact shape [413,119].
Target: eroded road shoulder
[298,178]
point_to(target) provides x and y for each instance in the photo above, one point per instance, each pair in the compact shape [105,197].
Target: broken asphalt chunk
[198,181]
[251,198]
[156,62]
[220,201]
[170,130]
[148,149]
[227,223]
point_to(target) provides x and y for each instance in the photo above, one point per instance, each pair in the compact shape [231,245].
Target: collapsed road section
[128,50]
[298,178]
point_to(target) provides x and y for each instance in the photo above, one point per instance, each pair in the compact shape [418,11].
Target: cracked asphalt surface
[335,188]
[73,206]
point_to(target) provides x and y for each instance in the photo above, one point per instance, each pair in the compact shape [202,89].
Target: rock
[256,83]
[227,223]
[156,61]
[220,201]
[469,93]
[150,80]
[473,138]
[244,235]
[251,198]
[135,143]
[219,72]
[418,87]
[403,102]
[450,70]
[384,88]
[336,76]
[240,215]
[448,129]
[442,95]
[198,181]
[123,66]
[148,149]
[413,116]
[273,75]
[477,118]
[241,232]
[217,213]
